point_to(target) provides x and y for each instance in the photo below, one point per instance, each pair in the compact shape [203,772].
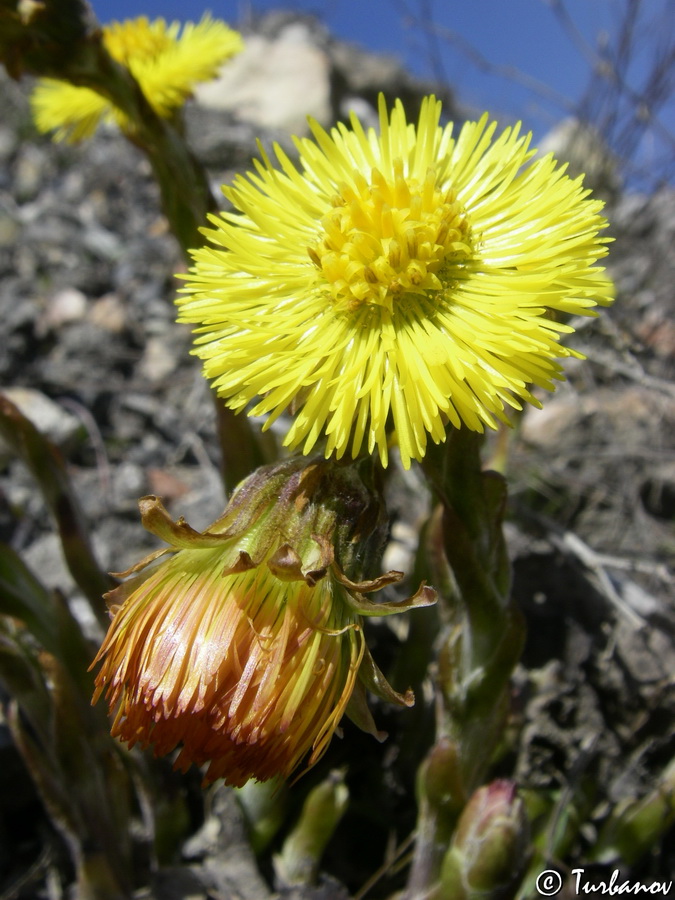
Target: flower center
[385,238]
[136,39]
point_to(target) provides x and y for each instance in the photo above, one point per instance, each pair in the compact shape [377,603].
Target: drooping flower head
[165,60]
[395,282]
[245,647]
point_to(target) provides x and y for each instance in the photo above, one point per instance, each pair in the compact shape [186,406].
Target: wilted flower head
[246,646]
[166,62]
[394,283]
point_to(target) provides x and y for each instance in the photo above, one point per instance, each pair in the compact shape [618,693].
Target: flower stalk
[60,39]
[480,643]
[77,769]
[300,857]
[46,465]
[635,826]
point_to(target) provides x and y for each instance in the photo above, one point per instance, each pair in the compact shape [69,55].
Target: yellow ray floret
[394,283]
[166,62]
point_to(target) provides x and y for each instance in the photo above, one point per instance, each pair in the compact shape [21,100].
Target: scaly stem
[480,644]
[61,40]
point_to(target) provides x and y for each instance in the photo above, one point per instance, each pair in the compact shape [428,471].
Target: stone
[545,427]
[50,418]
[9,229]
[584,149]
[108,313]
[30,172]
[159,359]
[274,82]
[9,141]
[66,305]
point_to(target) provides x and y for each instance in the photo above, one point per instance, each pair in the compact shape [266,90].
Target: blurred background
[608,62]
[92,355]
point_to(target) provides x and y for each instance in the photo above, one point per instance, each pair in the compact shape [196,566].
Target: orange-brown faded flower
[245,647]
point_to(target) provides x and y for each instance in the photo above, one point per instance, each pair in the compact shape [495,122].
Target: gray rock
[30,171]
[55,422]
[581,146]
[65,305]
[9,142]
[274,83]
[222,846]
[44,557]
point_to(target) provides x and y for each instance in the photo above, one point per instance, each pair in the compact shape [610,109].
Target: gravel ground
[92,353]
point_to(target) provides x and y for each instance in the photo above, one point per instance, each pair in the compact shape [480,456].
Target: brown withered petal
[243,647]
[242,670]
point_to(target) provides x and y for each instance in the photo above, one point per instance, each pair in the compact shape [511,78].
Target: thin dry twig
[597,564]
[30,876]
[391,865]
[625,115]
[507,72]
[96,438]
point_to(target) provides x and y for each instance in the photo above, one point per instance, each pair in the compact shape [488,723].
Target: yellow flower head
[165,61]
[244,649]
[394,283]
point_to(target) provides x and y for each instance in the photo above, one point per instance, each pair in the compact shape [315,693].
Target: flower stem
[481,640]
[62,40]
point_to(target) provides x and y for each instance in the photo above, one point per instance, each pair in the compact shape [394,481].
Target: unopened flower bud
[488,852]
[298,862]
[439,780]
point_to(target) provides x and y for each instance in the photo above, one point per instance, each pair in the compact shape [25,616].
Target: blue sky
[524,35]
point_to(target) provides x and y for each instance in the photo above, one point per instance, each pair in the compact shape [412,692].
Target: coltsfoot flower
[245,647]
[394,283]
[165,60]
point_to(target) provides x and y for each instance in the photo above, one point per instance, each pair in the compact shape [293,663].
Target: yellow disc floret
[139,39]
[383,238]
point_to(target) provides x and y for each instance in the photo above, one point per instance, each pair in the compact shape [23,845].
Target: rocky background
[91,353]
